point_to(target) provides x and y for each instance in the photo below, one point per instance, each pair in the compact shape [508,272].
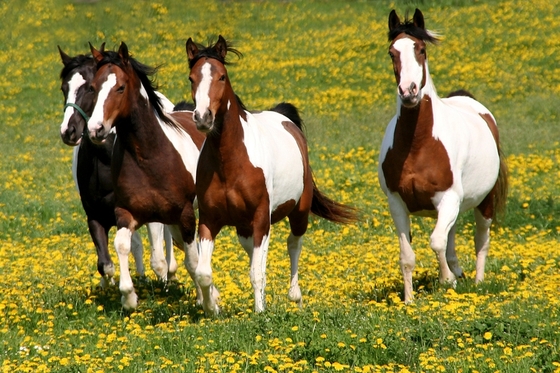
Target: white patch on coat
[273,149]
[202,95]
[411,70]
[74,85]
[96,119]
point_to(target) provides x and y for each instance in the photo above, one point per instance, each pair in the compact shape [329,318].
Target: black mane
[211,52]
[409,28]
[144,72]
[75,62]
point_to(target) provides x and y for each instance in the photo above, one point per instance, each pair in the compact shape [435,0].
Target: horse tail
[501,186]
[289,111]
[461,92]
[326,208]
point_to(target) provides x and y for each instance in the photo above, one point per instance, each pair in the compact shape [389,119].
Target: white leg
[258,273]
[407,256]
[481,243]
[448,209]
[294,250]
[170,255]
[157,258]
[191,263]
[129,298]
[451,254]
[137,253]
[203,276]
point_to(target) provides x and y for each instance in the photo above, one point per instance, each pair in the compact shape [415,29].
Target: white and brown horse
[91,168]
[253,171]
[154,158]
[439,157]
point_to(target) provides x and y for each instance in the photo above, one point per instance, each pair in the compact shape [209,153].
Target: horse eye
[121,89]
[222,78]
[391,55]
[422,51]
[191,80]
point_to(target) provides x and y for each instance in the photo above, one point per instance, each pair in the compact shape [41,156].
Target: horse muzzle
[98,134]
[204,123]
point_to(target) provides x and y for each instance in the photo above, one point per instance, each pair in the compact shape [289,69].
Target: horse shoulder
[284,154]
[184,145]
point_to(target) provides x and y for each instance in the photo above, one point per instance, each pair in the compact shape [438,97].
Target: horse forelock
[408,27]
[210,51]
[76,62]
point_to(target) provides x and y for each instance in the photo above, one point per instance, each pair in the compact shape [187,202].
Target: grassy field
[330,59]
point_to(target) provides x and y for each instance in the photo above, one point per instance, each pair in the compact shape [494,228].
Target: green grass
[330,59]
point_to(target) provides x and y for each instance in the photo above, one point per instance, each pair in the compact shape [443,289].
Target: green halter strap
[86,117]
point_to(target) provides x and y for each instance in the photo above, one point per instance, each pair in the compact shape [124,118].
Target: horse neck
[414,124]
[228,134]
[141,130]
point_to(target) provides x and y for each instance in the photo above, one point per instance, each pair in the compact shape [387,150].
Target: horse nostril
[413,88]
[196,116]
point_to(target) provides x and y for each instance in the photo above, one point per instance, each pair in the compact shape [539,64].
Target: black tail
[326,208]
[290,111]
[184,105]
[461,92]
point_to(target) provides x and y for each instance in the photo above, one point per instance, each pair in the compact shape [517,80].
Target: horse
[439,157]
[91,169]
[253,171]
[154,158]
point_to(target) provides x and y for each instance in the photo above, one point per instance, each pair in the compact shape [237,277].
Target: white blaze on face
[411,70]
[96,119]
[73,86]
[202,94]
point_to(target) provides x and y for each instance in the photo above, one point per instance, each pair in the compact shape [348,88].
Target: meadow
[329,58]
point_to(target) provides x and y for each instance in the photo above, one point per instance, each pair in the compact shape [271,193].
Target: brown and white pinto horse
[154,158]
[91,169]
[253,171]
[439,157]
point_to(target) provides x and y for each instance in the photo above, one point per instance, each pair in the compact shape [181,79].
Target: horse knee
[438,243]
[123,241]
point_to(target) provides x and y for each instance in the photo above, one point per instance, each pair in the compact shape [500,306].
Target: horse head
[210,86]
[76,76]
[408,54]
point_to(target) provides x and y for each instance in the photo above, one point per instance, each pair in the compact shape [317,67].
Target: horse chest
[417,171]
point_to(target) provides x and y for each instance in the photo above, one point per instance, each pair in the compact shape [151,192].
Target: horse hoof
[130,301]
[294,294]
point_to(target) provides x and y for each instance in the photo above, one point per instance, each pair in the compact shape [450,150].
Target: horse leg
[203,271]
[257,248]
[407,257]
[448,209]
[481,243]
[170,255]
[451,255]
[294,250]
[157,258]
[123,239]
[105,266]
[137,252]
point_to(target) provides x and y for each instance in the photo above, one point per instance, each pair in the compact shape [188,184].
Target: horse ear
[221,47]
[65,58]
[123,52]
[97,55]
[102,48]
[394,20]
[192,49]
[418,19]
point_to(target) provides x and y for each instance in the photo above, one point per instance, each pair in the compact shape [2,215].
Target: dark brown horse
[439,157]
[91,166]
[154,158]
[253,171]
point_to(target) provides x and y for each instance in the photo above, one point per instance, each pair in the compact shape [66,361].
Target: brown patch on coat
[417,165]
